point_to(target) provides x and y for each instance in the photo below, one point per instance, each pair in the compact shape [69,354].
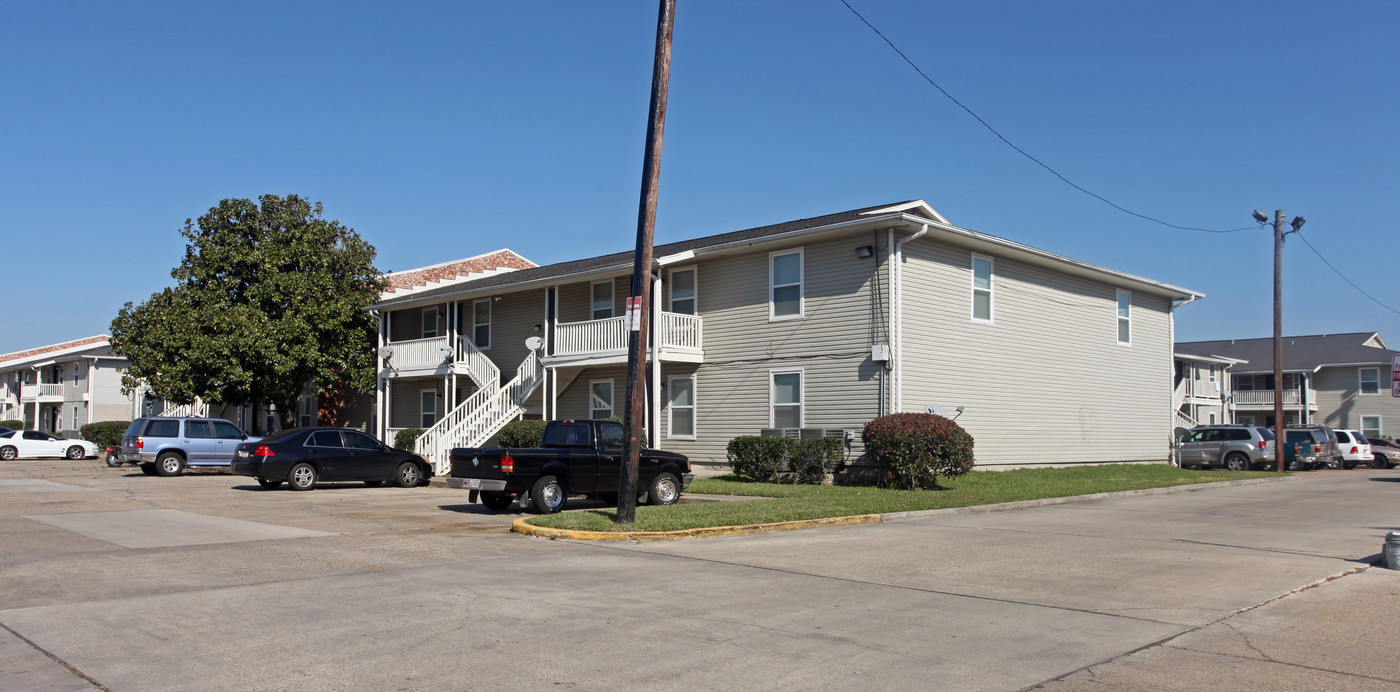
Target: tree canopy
[269,298]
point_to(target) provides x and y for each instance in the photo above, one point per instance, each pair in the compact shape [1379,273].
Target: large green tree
[269,298]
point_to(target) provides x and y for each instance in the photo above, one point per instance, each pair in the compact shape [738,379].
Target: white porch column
[654,428]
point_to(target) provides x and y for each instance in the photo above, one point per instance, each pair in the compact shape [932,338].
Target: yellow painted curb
[522,526]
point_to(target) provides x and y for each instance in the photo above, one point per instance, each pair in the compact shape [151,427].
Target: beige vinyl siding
[1047,381]
[576,299]
[108,401]
[513,320]
[405,400]
[1340,403]
[830,344]
[73,392]
[407,324]
[573,401]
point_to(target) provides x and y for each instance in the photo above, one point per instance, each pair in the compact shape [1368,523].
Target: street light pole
[1278,339]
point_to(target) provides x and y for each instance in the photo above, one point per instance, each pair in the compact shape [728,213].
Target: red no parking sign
[1395,377]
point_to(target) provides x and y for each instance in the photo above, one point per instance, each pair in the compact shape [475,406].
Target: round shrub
[759,458]
[913,449]
[405,438]
[13,424]
[521,434]
[107,433]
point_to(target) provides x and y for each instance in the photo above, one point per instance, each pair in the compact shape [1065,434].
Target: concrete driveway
[113,580]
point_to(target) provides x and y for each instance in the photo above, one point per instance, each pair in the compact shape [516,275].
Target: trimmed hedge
[770,459]
[405,438]
[913,449]
[14,424]
[107,433]
[521,434]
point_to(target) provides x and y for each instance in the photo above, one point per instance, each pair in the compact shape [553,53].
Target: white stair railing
[197,409]
[479,366]
[473,422]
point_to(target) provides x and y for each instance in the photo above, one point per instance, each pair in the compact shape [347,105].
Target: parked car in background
[304,456]
[1314,449]
[33,444]
[167,446]
[4,430]
[1384,454]
[1235,447]
[1355,448]
[1331,452]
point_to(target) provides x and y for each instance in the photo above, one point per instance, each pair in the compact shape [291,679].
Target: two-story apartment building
[1338,380]
[818,324]
[61,387]
[1201,389]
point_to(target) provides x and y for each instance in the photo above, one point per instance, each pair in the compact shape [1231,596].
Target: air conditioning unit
[810,433]
[794,433]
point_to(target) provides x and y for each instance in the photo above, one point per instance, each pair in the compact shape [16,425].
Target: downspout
[897,295]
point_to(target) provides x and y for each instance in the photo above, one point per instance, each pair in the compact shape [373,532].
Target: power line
[1344,276]
[1021,151]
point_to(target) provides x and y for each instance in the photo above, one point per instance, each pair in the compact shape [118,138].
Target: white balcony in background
[679,337]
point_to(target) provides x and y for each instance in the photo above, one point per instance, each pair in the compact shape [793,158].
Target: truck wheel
[1237,462]
[496,501]
[302,477]
[407,475]
[270,483]
[148,468]
[665,490]
[169,464]
[548,495]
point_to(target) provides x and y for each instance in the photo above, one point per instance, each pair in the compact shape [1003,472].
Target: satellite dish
[1180,433]
[444,352]
[534,343]
[386,352]
[936,410]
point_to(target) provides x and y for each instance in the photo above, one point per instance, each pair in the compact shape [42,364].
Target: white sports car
[30,444]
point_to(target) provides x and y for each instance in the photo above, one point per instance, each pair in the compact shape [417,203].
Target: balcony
[46,393]
[417,357]
[679,337]
[1264,399]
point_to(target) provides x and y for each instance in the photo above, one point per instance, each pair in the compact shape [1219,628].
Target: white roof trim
[916,204]
[1210,359]
[53,355]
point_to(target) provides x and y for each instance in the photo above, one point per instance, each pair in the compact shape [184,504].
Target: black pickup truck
[581,457]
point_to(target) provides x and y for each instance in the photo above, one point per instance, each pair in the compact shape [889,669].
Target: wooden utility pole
[639,305]
[1279,443]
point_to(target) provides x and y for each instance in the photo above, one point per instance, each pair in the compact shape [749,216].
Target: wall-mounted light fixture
[497,299]
[865,251]
[538,328]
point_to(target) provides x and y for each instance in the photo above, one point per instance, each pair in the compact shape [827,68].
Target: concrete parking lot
[114,580]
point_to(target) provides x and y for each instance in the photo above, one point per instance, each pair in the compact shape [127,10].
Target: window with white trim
[1244,420]
[481,324]
[1370,381]
[306,413]
[681,394]
[785,399]
[75,376]
[427,408]
[75,406]
[683,291]
[981,288]
[1212,419]
[1371,427]
[602,299]
[600,399]
[1125,318]
[430,322]
[785,285]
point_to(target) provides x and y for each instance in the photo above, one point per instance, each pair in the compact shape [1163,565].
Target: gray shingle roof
[1299,352]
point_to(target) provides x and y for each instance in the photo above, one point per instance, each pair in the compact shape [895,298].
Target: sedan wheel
[8,453]
[302,477]
[408,475]
[75,452]
[1378,461]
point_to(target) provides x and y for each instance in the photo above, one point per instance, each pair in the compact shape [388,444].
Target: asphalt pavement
[114,580]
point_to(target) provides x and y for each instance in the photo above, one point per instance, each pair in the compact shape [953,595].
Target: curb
[521,525]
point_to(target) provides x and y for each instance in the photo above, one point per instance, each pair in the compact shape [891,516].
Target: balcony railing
[42,392]
[418,354]
[677,331]
[477,365]
[1255,398]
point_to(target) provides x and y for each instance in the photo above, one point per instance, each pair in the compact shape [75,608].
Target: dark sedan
[303,456]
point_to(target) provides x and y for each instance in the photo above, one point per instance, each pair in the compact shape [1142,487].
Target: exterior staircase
[484,413]
[197,409]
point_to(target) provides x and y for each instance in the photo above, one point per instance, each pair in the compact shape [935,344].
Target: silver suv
[1235,447]
[167,446]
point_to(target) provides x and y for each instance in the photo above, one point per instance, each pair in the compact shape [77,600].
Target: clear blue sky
[443,130]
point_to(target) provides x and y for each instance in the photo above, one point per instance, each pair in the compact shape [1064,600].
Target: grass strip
[794,502]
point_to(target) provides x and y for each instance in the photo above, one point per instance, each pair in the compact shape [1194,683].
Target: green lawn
[793,502]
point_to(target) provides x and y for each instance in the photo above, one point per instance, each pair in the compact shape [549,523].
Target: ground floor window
[307,412]
[1245,420]
[1212,419]
[785,397]
[600,399]
[681,393]
[1371,426]
[427,408]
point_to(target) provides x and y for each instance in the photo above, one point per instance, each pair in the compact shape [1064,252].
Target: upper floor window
[430,322]
[981,288]
[785,285]
[683,291]
[481,324]
[1370,380]
[75,373]
[603,299]
[1125,318]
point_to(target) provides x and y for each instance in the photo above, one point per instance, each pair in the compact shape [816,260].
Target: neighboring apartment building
[1338,380]
[62,387]
[1201,389]
[819,324]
